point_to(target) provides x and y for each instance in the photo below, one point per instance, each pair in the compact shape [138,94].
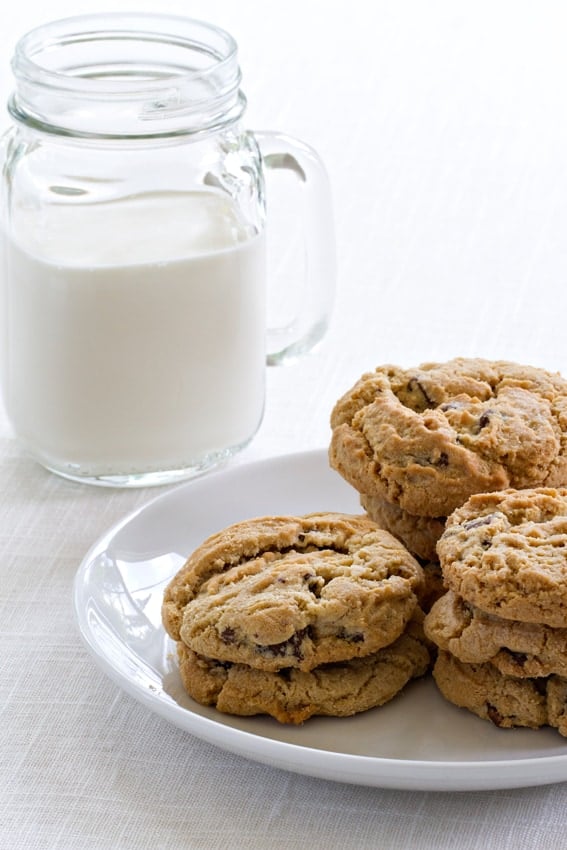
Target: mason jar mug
[134,264]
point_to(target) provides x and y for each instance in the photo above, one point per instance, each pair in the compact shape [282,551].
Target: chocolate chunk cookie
[524,650]
[292,696]
[299,592]
[419,534]
[483,690]
[506,701]
[428,438]
[249,540]
[433,585]
[557,703]
[505,553]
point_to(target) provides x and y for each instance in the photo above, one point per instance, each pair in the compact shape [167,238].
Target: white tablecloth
[444,128]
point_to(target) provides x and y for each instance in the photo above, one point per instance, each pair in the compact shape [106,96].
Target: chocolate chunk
[228,635]
[519,658]
[293,646]
[418,395]
[351,637]
[494,714]
[220,665]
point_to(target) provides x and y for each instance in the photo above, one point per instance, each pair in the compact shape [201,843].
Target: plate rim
[353,768]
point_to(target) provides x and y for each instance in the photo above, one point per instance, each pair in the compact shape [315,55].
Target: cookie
[251,539]
[514,648]
[483,690]
[419,534]
[433,585]
[428,438]
[557,703]
[292,696]
[505,553]
[295,592]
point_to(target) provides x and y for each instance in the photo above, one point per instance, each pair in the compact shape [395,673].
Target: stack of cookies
[501,628]
[461,468]
[296,616]
[417,443]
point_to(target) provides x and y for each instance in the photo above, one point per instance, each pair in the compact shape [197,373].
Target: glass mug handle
[300,234]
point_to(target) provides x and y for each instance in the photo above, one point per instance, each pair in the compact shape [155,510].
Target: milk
[134,334]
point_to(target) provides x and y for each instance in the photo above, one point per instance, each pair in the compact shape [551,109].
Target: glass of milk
[134,265]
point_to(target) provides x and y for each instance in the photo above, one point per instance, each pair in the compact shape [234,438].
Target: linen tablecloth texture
[444,131]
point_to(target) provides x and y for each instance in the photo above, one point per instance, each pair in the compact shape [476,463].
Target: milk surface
[134,334]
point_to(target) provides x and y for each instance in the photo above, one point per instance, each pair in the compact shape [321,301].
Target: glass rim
[175,30]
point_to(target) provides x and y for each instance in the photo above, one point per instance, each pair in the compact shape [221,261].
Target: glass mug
[134,262]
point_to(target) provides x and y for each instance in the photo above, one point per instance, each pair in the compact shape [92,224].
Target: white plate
[417,741]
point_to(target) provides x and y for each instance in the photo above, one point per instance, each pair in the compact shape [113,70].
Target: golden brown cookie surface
[419,534]
[292,696]
[514,648]
[297,592]
[557,703]
[427,438]
[504,700]
[505,553]
[248,540]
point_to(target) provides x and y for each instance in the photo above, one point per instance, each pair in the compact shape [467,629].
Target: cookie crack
[414,396]
[286,550]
